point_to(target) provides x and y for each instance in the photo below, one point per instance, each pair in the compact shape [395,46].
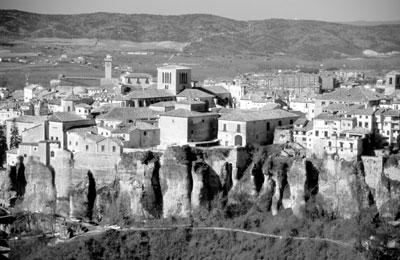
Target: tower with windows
[174,78]
[108,66]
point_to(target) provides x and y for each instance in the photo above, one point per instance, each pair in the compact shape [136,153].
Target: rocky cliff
[148,185]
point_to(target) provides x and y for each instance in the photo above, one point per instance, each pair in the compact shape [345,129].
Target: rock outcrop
[145,185]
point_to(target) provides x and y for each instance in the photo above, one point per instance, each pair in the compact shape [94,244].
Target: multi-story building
[181,126]
[247,127]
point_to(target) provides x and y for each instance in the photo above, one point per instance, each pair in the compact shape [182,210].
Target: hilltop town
[329,112]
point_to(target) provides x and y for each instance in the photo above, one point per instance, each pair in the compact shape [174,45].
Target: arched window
[52,154]
[279,123]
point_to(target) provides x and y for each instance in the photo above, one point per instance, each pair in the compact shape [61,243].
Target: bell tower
[108,66]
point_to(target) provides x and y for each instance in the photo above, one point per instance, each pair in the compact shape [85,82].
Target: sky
[323,10]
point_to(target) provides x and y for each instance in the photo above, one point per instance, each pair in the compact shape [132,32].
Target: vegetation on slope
[209,34]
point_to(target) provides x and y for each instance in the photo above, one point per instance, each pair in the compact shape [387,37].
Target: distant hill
[209,34]
[371,23]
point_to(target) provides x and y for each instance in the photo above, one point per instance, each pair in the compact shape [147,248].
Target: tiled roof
[83,105]
[391,113]
[300,121]
[164,104]
[104,108]
[91,129]
[94,137]
[29,119]
[129,113]
[257,115]
[71,97]
[357,130]
[194,93]
[137,125]
[176,67]
[148,93]
[366,111]
[217,89]
[187,113]
[190,102]
[65,117]
[327,116]
[356,94]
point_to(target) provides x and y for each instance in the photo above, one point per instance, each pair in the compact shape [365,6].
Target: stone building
[182,126]
[174,78]
[248,127]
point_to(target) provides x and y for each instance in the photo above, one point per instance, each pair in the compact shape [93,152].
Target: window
[323,103]
[351,145]
[316,133]
[144,133]
[326,134]
[291,121]
[76,143]
[56,138]
[87,147]
[224,127]
[114,149]
[70,142]
[390,81]
[279,123]
[103,148]
[238,128]
[330,144]
[366,125]
[52,154]
[359,124]
[341,145]
[25,155]
[268,126]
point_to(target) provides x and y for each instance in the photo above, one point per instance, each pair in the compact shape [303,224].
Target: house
[392,82]
[353,96]
[302,129]
[348,144]
[305,105]
[83,110]
[9,111]
[174,78]
[137,135]
[224,97]
[61,122]
[31,91]
[181,126]
[23,123]
[118,115]
[240,128]
[145,98]
[197,95]
[255,101]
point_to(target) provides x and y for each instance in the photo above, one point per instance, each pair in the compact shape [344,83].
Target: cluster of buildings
[139,111]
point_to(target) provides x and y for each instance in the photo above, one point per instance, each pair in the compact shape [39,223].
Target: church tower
[108,66]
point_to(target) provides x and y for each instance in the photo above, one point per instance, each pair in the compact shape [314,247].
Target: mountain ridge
[210,34]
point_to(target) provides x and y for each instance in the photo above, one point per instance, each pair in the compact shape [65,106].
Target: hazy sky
[326,10]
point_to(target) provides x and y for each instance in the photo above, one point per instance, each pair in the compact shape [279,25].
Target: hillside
[209,34]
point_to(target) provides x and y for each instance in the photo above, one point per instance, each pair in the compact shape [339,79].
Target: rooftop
[194,93]
[164,104]
[187,113]
[365,111]
[65,117]
[129,113]
[356,94]
[217,89]
[137,75]
[357,130]
[29,119]
[245,116]
[148,93]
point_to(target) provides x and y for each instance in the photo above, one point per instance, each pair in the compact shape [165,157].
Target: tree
[15,138]
[3,146]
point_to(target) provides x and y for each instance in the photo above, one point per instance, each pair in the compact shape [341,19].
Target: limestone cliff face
[40,193]
[140,185]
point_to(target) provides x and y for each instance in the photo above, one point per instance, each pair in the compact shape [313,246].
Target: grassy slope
[210,34]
